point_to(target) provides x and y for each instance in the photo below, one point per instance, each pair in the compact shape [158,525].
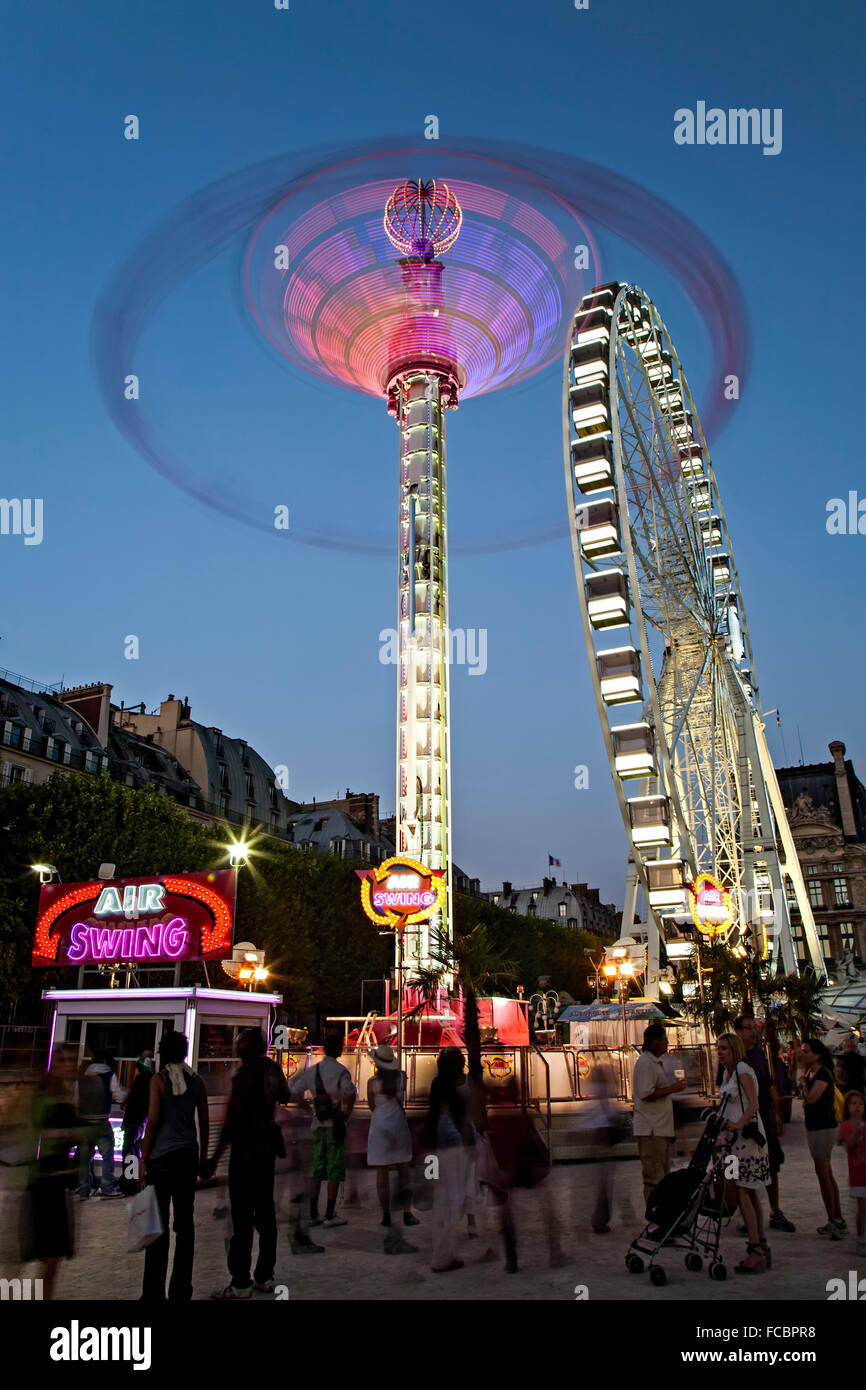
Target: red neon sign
[401,891]
[171,918]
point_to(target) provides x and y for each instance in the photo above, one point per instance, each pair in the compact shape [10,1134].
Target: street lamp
[596,965]
[239,854]
[46,872]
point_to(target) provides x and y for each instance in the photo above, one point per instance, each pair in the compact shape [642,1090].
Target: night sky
[278,642]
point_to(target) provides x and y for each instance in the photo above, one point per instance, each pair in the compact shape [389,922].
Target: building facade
[45,730]
[574,905]
[826,805]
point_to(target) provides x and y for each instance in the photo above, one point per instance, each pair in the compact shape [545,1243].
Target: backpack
[325,1110]
[94,1094]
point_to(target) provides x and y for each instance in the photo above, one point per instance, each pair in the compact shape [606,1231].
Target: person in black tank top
[171,1156]
[256,1142]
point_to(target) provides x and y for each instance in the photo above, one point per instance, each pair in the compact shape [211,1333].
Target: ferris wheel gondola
[668,642]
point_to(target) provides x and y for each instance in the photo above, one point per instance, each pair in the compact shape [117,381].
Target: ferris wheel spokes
[655,570]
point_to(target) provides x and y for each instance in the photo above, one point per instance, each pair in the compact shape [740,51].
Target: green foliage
[735,984]
[302,908]
[77,823]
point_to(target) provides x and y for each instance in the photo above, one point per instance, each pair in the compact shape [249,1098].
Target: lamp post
[596,965]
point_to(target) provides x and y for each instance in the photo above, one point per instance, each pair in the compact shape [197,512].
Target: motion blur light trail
[335,310]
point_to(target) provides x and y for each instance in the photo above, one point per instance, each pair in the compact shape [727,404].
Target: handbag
[144,1220]
[752,1130]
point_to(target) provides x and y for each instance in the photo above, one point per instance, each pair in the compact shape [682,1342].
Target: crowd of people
[833,1110]
[475,1154]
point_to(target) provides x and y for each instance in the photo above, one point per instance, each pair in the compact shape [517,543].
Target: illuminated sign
[160,919]
[712,910]
[401,891]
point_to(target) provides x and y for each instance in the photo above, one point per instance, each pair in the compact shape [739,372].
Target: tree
[737,984]
[303,908]
[77,823]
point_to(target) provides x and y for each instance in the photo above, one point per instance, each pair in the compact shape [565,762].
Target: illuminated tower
[324,286]
[422,220]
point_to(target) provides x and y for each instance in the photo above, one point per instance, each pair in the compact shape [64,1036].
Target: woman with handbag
[748,1147]
[171,1154]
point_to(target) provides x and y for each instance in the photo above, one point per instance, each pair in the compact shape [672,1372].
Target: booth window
[218,1055]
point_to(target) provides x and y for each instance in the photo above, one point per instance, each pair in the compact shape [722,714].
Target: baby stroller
[684,1211]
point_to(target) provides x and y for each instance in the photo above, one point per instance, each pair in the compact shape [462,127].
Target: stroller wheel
[718,1271]
[658,1276]
[634,1264]
[694,1263]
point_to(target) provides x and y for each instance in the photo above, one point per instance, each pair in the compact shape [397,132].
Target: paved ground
[355,1266]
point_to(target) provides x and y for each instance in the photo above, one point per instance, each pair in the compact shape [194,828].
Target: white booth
[126,1022]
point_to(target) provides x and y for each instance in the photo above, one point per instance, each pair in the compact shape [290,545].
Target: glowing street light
[46,872]
[239,854]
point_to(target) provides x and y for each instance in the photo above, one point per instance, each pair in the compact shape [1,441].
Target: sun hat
[384,1058]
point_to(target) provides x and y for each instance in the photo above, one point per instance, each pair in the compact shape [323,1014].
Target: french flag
[553,863]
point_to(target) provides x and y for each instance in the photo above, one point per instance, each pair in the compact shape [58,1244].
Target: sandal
[759,1267]
[767,1254]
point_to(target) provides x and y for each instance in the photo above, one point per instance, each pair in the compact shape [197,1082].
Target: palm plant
[476,965]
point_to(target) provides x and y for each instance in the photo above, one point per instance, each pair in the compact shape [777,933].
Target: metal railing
[23,1045]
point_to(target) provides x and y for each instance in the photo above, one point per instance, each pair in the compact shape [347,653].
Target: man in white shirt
[653,1108]
[334,1096]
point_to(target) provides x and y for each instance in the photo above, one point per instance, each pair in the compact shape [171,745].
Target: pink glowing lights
[422,219]
[160,918]
[155,941]
[342,305]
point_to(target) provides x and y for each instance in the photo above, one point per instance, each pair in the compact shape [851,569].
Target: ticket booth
[127,1021]
[136,933]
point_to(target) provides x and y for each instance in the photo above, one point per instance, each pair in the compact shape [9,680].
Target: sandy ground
[355,1266]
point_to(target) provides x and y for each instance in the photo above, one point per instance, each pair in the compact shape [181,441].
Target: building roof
[320,828]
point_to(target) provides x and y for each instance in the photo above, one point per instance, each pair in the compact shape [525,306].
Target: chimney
[547,884]
[843,789]
[506,888]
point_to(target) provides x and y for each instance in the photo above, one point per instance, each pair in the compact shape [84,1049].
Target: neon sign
[712,909]
[170,918]
[401,891]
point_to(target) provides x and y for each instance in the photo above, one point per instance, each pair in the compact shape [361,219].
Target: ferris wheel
[668,643]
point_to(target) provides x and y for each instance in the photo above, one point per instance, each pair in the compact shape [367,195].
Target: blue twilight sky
[278,643]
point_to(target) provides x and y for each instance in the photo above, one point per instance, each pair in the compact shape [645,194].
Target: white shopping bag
[145,1222]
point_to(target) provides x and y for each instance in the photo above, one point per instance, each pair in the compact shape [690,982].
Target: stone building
[826,806]
[573,905]
[212,777]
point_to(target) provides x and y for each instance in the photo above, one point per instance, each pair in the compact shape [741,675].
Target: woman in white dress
[743,1122]
[389,1143]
